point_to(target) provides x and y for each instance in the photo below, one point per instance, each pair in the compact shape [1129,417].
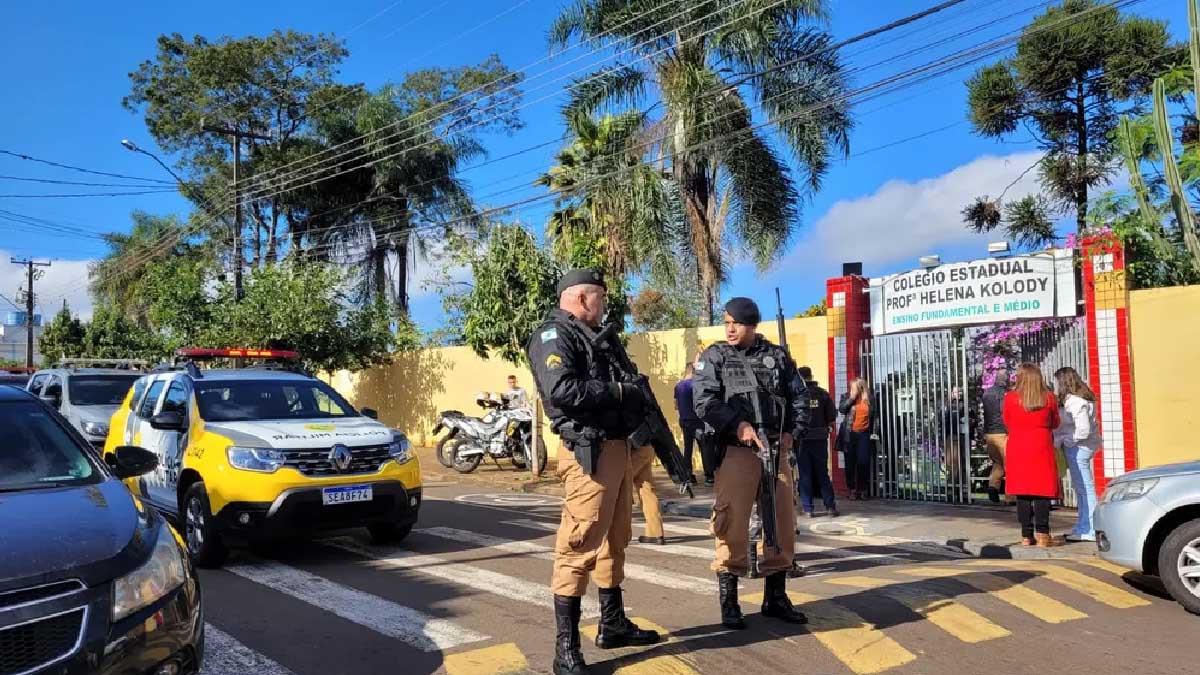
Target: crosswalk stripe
[657,665]
[862,647]
[505,659]
[680,582]
[471,576]
[416,628]
[589,631]
[707,554]
[1106,566]
[1097,590]
[224,655]
[951,616]
[1025,599]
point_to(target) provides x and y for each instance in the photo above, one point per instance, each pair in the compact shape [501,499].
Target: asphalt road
[467,594]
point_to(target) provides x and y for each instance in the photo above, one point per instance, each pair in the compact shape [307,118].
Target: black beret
[743,311]
[590,277]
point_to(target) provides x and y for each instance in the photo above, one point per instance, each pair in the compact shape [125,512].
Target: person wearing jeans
[1079,437]
[860,418]
[693,428]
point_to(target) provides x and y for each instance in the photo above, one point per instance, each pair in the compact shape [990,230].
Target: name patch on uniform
[553,361]
[814,403]
[548,335]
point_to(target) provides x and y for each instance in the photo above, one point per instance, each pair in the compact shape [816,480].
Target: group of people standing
[1025,426]
[746,390]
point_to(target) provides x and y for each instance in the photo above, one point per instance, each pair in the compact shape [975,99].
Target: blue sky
[68,63]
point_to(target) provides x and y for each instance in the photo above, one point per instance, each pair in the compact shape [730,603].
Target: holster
[585,443]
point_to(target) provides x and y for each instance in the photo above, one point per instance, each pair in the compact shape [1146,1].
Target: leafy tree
[819,309]
[513,289]
[318,189]
[63,337]
[1077,67]
[707,64]
[110,335]
[118,279]
[652,309]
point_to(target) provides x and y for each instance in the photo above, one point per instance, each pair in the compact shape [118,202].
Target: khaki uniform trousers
[642,460]
[596,523]
[996,443]
[736,488]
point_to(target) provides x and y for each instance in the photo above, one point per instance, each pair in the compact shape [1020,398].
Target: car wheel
[1179,565]
[200,530]
[388,533]
[445,449]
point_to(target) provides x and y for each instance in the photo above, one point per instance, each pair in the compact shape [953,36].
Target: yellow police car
[264,452]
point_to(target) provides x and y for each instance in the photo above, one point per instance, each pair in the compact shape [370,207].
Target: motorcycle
[503,432]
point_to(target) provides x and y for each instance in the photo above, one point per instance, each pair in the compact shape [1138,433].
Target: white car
[1149,521]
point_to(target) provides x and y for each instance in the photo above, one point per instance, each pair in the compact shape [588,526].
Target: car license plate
[346,495]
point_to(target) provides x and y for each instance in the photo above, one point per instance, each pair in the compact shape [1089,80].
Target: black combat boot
[568,659]
[615,629]
[776,603]
[731,612]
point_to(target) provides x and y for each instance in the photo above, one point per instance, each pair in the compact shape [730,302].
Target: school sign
[1036,286]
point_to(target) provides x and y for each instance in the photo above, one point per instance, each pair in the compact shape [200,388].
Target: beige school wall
[411,392]
[1165,336]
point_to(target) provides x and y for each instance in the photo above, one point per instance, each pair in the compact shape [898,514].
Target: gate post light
[998,248]
[930,260]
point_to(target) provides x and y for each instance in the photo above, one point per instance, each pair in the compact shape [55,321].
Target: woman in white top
[1079,437]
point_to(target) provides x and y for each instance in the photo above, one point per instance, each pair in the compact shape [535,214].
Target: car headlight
[264,460]
[158,576]
[95,428]
[1127,490]
[400,449]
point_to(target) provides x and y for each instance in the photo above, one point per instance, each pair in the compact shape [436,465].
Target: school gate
[929,341]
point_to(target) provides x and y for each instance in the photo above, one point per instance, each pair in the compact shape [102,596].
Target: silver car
[1149,521]
[87,397]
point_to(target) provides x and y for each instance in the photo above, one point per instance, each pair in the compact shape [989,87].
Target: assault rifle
[653,430]
[739,380]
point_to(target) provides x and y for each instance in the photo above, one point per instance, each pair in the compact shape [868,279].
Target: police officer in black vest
[593,409]
[728,377]
[812,457]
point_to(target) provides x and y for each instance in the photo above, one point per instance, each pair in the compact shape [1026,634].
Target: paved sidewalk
[980,531]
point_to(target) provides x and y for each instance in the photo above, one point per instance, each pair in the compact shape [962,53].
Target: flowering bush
[999,347]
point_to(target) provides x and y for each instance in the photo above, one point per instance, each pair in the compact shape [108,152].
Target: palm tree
[713,64]
[607,193]
[116,279]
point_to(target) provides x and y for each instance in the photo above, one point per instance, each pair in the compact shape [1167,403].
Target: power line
[69,182]
[87,194]
[977,53]
[30,158]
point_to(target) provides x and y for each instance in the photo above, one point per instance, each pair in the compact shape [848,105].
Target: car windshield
[269,400]
[37,452]
[100,389]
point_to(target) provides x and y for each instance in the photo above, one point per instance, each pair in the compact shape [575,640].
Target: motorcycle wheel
[519,459]
[466,464]
[446,450]
[541,454]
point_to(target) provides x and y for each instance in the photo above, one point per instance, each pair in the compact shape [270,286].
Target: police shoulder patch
[553,361]
[548,335]
[699,365]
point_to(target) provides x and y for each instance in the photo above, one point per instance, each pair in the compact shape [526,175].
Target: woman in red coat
[1031,415]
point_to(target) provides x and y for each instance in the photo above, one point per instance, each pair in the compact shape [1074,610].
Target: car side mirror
[133,461]
[371,413]
[51,400]
[167,420]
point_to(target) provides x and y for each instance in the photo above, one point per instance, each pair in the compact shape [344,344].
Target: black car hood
[92,532]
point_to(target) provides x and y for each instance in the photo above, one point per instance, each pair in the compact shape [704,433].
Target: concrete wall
[1165,335]
[411,392]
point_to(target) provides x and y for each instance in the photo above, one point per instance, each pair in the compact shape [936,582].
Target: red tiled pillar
[1106,295]
[847,316]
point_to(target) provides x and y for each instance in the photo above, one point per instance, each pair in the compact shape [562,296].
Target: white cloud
[903,219]
[64,279]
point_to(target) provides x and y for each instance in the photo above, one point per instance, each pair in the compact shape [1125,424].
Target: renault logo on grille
[340,457]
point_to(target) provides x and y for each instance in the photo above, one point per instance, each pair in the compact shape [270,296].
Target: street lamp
[133,147]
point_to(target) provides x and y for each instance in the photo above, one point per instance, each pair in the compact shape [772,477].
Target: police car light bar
[196,353]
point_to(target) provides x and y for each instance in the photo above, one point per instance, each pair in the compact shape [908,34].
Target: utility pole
[236,135]
[30,265]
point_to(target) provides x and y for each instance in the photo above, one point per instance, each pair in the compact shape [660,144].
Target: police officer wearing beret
[593,412]
[739,463]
